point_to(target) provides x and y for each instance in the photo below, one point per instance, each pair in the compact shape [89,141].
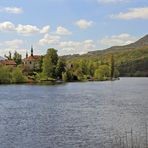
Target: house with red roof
[8,63]
[32,61]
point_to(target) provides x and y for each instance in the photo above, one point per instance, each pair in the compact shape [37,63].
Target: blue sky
[71,26]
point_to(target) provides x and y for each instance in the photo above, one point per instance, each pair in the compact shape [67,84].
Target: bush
[64,76]
[5,75]
[17,76]
[102,73]
[11,75]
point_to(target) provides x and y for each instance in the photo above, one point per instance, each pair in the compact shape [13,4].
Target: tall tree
[52,53]
[9,57]
[17,58]
[41,63]
[49,62]
[112,63]
[60,68]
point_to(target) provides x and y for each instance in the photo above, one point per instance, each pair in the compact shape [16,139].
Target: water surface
[72,115]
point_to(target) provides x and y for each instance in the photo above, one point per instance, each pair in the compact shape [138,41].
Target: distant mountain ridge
[131,59]
[141,43]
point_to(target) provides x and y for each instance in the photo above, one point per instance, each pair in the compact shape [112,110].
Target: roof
[32,58]
[8,62]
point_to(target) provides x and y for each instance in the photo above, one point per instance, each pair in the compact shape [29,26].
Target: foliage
[64,76]
[11,75]
[97,65]
[17,58]
[126,62]
[112,63]
[41,63]
[60,68]
[102,73]
[17,76]
[9,57]
[49,63]
[5,74]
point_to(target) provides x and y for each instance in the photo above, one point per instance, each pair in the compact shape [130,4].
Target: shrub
[17,76]
[5,74]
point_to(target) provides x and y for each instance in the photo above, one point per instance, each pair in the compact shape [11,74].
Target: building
[8,62]
[32,61]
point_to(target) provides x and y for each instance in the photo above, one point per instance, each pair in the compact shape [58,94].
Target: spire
[26,55]
[31,50]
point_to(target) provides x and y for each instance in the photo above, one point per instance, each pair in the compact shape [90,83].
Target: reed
[128,139]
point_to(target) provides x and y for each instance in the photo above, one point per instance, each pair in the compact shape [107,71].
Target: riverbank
[30,81]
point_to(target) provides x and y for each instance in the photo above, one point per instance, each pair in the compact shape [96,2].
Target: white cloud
[27,29]
[5,51]
[7,26]
[112,1]
[49,39]
[45,29]
[122,39]
[84,24]
[62,31]
[134,13]
[67,47]
[14,10]
[89,45]
[23,29]
[75,47]
[12,46]
[14,43]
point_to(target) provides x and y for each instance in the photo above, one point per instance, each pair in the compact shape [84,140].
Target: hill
[141,43]
[131,59]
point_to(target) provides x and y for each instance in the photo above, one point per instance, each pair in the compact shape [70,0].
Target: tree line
[54,67]
[57,67]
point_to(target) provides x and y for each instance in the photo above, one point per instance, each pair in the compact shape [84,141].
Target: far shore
[54,82]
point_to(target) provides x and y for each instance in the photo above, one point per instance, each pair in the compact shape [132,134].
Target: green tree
[112,63]
[52,53]
[49,63]
[64,76]
[83,65]
[79,73]
[5,74]
[17,58]
[17,76]
[102,73]
[60,67]
[9,57]
[116,73]
[41,63]
[98,75]
[91,68]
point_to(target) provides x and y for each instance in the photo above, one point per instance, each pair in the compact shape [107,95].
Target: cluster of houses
[32,61]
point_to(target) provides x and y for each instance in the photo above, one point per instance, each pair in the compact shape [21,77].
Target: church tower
[32,51]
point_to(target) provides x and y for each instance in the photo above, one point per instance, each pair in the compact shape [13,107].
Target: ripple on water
[75,115]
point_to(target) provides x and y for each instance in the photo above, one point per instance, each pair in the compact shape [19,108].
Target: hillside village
[32,61]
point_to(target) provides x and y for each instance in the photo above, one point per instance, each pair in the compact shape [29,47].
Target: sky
[70,26]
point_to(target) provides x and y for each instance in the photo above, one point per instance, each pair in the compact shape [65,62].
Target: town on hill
[109,64]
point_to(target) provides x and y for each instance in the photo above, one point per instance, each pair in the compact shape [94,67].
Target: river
[72,115]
